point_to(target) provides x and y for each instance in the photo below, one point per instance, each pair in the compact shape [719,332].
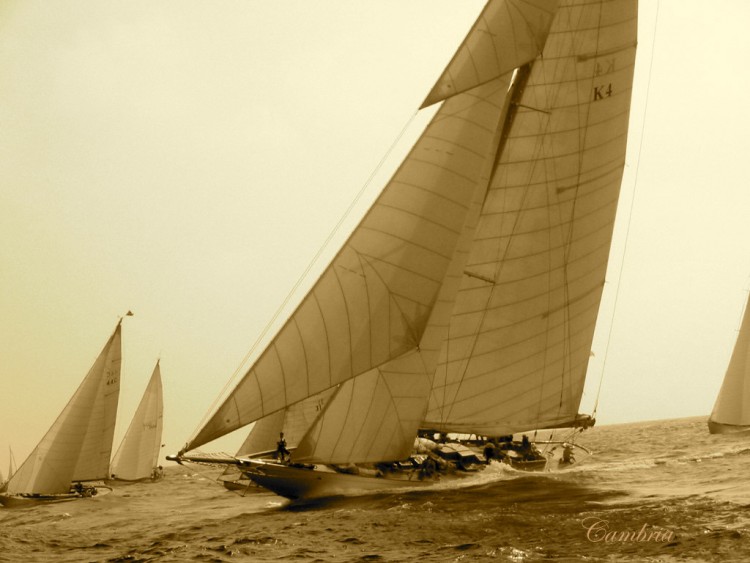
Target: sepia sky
[187,161]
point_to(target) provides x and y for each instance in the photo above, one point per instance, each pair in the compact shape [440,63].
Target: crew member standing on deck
[281,451]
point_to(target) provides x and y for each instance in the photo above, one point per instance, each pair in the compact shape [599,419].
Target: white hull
[298,483]
[27,500]
[720,428]
[314,482]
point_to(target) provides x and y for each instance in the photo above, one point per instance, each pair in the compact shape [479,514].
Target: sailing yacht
[78,445]
[731,413]
[137,457]
[11,470]
[466,299]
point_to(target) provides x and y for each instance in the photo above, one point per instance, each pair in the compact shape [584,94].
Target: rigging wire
[630,211]
[305,273]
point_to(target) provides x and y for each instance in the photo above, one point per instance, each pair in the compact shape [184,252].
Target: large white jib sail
[78,445]
[466,298]
[138,453]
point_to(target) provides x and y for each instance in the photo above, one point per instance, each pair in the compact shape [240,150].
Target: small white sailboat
[731,412]
[78,445]
[137,457]
[465,301]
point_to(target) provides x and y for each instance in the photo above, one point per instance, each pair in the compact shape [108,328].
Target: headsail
[78,446]
[139,451]
[521,332]
[732,409]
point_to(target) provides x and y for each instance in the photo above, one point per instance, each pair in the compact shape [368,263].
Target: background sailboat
[467,297]
[731,413]
[11,470]
[137,457]
[78,445]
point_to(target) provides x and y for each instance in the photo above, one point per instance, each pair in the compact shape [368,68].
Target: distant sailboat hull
[28,500]
[720,428]
[19,501]
[131,481]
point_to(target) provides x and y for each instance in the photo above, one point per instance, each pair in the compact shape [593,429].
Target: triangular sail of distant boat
[138,453]
[731,413]
[11,470]
[78,445]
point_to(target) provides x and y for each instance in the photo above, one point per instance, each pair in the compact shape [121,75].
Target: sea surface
[652,491]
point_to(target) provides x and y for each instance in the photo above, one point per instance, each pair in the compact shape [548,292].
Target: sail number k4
[605,66]
[602,91]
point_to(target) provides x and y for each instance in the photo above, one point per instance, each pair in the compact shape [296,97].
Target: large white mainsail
[731,413]
[521,331]
[78,446]
[138,453]
[506,203]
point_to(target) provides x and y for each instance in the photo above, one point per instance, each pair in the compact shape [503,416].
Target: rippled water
[652,491]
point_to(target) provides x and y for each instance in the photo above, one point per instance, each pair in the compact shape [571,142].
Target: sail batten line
[507,348]
[425,219]
[522,400]
[612,167]
[594,213]
[527,300]
[442,197]
[601,124]
[412,272]
[554,158]
[550,251]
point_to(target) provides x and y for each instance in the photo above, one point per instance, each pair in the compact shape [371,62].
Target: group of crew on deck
[83,490]
[436,454]
[500,448]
